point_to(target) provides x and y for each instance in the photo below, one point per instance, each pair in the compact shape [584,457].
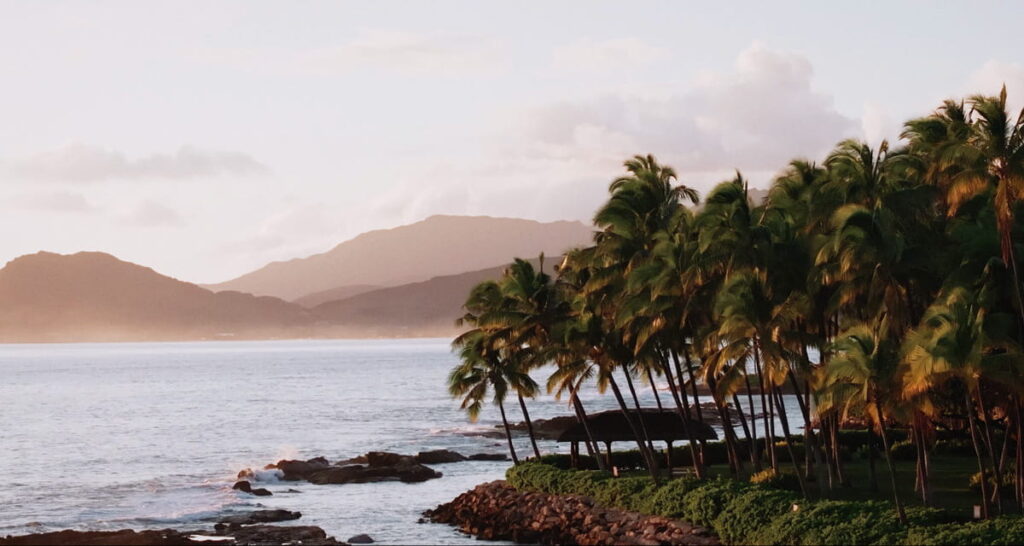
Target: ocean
[103,436]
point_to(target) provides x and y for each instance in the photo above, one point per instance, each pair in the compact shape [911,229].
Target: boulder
[488,457]
[262,535]
[407,472]
[360,539]
[385,458]
[439,456]
[299,470]
[243,486]
[260,516]
[261,492]
[124,537]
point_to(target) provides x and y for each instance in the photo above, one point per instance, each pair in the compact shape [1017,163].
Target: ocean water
[152,435]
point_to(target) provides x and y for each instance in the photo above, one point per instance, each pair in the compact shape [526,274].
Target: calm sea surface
[151,435]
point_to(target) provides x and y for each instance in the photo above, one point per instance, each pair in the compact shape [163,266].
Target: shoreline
[498,511]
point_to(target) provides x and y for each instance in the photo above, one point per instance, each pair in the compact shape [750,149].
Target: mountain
[426,308]
[439,245]
[339,293]
[92,296]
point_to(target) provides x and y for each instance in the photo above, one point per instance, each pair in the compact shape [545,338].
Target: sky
[205,139]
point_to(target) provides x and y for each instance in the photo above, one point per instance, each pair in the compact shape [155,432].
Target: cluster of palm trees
[880,287]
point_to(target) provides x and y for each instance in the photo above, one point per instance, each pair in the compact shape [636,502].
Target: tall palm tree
[480,371]
[861,377]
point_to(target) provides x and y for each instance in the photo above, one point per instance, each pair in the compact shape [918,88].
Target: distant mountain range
[388,283]
[439,245]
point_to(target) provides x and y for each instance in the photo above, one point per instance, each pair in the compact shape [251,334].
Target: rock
[247,474]
[497,511]
[264,535]
[243,486]
[299,470]
[439,456]
[361,459]
[384,458]
[408,472]
[261,492]
[260,516]
[124,537]
[488,457]
[360,539]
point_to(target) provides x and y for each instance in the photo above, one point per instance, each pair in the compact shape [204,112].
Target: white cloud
[555,162]
[878,124]
[991,77]
[59,201]
[614,54]
[84,163]
[398,51]
[152,214]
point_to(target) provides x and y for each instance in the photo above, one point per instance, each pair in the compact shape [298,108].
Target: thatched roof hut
[662,426]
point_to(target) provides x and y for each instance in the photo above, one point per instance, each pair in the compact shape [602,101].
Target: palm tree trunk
[639,411]
[693,387]
[755,449]
[648,459]
[784,421]
[581,415]
[654,388]
[727,429]
[892,468]
[508,433]
[684,415]
[991,450]
[837,453]
[769,424]
[977,454]
[529,425]
[1018,454]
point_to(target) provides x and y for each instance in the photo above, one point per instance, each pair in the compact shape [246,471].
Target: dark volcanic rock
[254,535]
[260,516]
[124,537]
[384,458]
[439,456]
[299,470]
[243,486]
[488,457]
[497,511]
[407,472]
[360,539]
[270,535]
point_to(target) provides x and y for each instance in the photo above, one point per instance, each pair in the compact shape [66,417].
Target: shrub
[904,450]
[777,480]
[702,505]
[1003,530]
[834,523]
[669,499]
[954,446]
[1007,476]
[742,518]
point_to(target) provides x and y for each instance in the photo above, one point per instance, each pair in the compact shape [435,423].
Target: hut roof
[662,425]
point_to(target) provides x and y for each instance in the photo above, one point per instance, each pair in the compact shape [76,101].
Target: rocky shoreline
[248,535]
[498,511]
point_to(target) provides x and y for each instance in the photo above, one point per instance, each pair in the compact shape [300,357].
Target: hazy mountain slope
[339,293]
[92,296]
[427,308]
[439,245]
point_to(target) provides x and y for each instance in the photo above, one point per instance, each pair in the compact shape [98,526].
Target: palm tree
[861,376]
[481,370]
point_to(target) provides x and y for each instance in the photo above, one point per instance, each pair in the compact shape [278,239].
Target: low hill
[339,293]
[439,245]
[92,296]
[420,309]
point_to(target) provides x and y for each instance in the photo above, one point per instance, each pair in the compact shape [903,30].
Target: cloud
[85,163]
[398,51]
[152,214]
[59,201]
[615,54]
[991,77]
[556,161]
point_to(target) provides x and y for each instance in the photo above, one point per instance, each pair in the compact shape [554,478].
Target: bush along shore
[543,503]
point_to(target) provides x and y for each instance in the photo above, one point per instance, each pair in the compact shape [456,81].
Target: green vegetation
[897,265]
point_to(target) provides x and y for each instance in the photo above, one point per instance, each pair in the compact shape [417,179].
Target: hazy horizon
[208,140]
